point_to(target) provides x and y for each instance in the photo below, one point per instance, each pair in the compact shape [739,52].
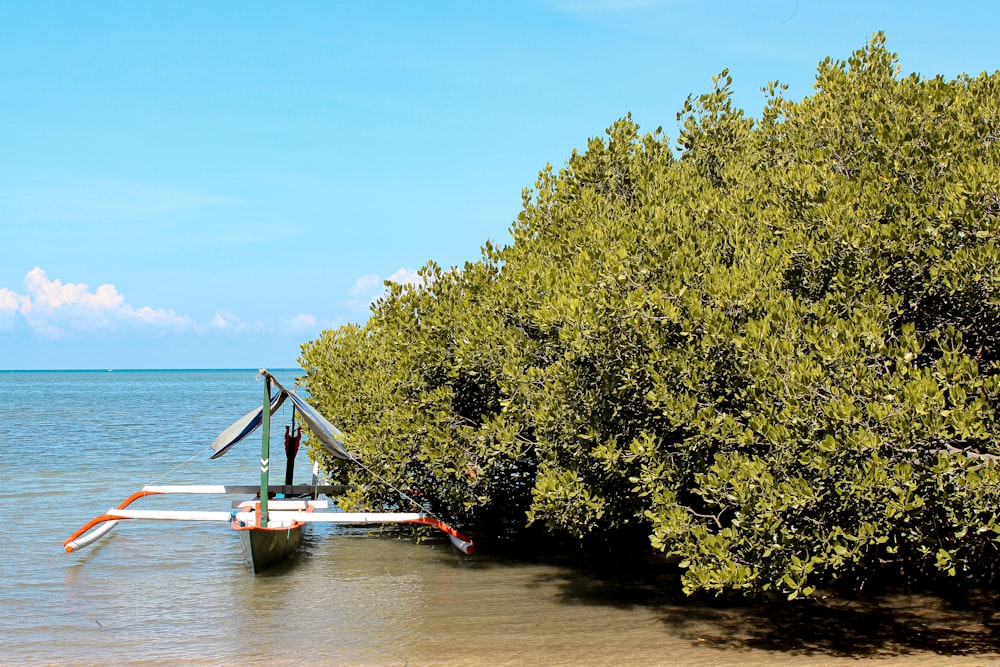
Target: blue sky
[211,184]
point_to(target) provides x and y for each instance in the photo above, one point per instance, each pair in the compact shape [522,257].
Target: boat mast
[265,445]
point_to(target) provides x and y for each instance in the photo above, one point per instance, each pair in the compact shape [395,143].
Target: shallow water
[172,593]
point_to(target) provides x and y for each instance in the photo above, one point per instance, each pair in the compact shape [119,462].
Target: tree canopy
[770,348]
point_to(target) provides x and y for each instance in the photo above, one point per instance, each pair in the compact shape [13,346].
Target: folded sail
[243,427]
[329,435]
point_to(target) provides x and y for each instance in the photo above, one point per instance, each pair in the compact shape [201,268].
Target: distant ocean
[78,442]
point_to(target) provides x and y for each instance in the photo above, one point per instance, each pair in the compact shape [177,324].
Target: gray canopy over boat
[328,434]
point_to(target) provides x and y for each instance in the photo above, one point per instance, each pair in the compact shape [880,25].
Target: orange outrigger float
[269,525]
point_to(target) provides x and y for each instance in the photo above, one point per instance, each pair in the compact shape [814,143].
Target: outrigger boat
[269,525]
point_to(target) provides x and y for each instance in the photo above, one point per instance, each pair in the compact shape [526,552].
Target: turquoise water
[171,593]
[76,443]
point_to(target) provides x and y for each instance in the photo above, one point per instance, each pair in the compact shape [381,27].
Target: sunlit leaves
[773,346]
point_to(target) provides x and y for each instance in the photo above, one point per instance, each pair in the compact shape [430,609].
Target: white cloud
[365,285]
[406,277]
[302,322]
[224,320]
[368,289]
[51,308]
[47,330]
[162,318]
[10,302]
[51,295]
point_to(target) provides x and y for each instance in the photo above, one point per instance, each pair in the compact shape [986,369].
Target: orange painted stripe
[443,527]
[257,526]
[107,517]
[134,497]
[87,526]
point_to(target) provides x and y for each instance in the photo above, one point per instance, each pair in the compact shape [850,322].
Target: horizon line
[127,370]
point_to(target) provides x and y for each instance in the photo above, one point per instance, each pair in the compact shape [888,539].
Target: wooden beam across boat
[243,489]
[279,516]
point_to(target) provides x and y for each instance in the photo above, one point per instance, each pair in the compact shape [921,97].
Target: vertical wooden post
[265,447]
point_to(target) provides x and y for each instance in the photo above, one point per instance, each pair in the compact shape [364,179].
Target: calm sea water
[76,443]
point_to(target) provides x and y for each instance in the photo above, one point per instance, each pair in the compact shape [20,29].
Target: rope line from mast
[180,465]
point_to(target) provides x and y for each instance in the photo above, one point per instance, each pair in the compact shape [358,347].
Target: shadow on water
[887,625]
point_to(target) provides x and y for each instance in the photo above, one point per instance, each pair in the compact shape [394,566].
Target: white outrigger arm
[282,512]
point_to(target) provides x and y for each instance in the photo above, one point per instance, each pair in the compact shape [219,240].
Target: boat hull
[266,547]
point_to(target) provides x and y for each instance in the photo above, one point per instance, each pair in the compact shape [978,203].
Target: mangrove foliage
[769,347]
